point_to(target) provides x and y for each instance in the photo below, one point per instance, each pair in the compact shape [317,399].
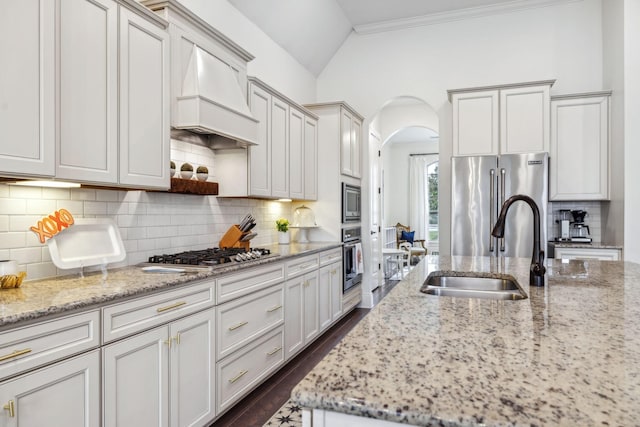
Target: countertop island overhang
[569,354]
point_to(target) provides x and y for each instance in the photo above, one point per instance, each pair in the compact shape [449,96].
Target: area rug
[289,415]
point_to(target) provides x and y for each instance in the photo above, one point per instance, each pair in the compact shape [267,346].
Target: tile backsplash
[149,222]
[593,218]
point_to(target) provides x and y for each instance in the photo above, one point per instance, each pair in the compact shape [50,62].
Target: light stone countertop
[567,355]
[592,245]
[39,299]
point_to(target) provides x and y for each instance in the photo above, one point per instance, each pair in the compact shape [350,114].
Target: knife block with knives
[239,235]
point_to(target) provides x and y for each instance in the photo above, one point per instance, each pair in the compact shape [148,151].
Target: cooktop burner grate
[210,257]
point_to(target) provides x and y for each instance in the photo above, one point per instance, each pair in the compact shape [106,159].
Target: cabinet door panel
[579,166]
[280,148]
[193,369]
[524,120]
[293,329]
[27,87]
[345,142]
[144,103]
[311,318]
[310,159]
[65,394]
[296,154]
[475,123]
[88,96]
[136,391]
[356,136]
[324,297]
[336,290]
[260,155]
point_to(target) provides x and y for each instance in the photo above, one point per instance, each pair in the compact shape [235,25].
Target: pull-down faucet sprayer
[537,270]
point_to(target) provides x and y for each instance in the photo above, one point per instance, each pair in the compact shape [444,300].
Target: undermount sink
[473,285]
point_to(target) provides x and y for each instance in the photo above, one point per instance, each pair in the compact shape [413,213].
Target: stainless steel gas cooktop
[211,257]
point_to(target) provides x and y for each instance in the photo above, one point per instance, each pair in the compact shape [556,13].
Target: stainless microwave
[350,203]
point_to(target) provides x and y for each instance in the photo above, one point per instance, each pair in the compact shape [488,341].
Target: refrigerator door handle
[492,207]
[503,180]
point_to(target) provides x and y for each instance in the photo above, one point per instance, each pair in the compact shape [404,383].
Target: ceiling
[313,30]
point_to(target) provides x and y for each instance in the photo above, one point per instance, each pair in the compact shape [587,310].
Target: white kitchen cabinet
[114,101]
[604,254]
[27,88]
[139,371]
[329,294]
[310,171]
[301,312]
[506,119]
[350,141]
[284,163]
[64,394]
[579,156]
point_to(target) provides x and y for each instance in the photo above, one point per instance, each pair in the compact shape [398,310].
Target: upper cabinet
[284,163]
[27,88]
[350,140]
[101,116]
[579,156]
[506,119]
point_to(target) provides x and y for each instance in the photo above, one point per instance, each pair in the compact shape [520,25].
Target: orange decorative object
[51,225]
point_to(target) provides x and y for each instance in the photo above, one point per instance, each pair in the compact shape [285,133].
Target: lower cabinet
[329,294]
[64,394]
[301,312]
[165,376]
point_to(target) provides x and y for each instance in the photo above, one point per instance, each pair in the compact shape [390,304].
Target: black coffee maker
[579,230]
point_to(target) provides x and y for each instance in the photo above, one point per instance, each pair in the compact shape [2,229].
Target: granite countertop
[35,300]
[567,355]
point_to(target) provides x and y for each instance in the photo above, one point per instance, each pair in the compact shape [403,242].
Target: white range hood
[212,101]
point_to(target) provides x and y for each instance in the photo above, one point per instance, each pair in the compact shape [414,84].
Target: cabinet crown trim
[581,95]
[342,104]
[451,92]
[292,103]
[179,9]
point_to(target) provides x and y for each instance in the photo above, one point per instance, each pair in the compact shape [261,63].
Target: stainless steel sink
[473,285]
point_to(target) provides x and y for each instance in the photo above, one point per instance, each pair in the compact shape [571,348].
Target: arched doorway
[403,126]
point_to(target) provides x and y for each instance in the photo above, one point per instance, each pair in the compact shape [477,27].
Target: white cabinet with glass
[503,119]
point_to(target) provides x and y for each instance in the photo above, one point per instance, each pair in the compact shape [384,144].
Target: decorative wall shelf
[192,186]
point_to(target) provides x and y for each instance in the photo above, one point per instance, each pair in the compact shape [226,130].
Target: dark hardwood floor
[257,407]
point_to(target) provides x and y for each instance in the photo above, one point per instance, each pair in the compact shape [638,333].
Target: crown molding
[456,15]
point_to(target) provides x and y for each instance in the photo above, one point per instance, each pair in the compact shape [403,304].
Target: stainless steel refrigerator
[480,185]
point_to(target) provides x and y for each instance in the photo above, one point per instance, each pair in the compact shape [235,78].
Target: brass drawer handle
[272,309]
[334,271]
[10,407]
[15,354]
[274,351]
[171,307]
[239,325]
[237,377]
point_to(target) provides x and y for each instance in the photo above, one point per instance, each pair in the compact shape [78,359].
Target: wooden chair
[417,246]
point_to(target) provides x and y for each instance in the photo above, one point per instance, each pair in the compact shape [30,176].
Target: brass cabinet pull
[168,342]
[10,407]
[274,351]
[171,307]
[16,353]
[272,309]
[237,377]
[334,271]
[177,338]
[239,325]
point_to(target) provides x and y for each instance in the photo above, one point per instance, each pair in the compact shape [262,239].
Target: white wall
[632,129]
[562,42]
[272,64]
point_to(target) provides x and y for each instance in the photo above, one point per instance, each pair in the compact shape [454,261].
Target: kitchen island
[569,354]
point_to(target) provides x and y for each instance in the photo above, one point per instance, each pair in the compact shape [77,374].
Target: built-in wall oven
[352,258]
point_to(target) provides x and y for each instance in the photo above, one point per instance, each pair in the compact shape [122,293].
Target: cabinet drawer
[120,320]
[245,282]
[245,369]
[243,320]
[330,256]
[302,265]
[351,299]
[35,345]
